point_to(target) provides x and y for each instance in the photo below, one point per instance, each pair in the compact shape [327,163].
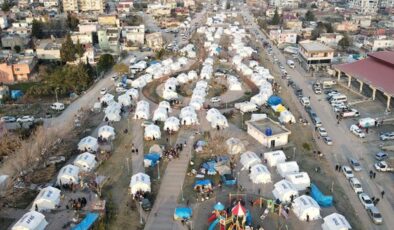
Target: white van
[57,106]
[338,98]
[291,63]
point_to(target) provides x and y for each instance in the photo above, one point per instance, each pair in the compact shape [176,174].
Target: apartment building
[283,36]
[82,38]
[51,3]
[366,7]
[378,43]
[83,5]
[134,34]
[108,39]
[284,3]
[313,54]
[49,50]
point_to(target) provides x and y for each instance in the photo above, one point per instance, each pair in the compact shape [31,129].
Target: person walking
[374,175]
[382,193]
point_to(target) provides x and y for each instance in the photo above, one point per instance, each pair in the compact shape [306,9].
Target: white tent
[88,144]
[172,124]
[301,180]
[112,114]
[246,106]
[107,98]
[138,83]
[259,99]
[31,221]
[47,199]
[216,118]
[133,93]
[86,162]
[166,105]
[169,94]
[233,83]
[275,157]
[248,159]
[139,182]
[287,168]
[234,146]
[306,206]
[124,100]
[160,114]
[107,132]
[192,75]
[335,221]
[188,116]
[287,117]
[142,110]
[68,175]
[259,174]
[283,190]
[152,132]
[182,78]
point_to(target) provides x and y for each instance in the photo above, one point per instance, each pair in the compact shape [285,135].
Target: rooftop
[312,46]
[264,124]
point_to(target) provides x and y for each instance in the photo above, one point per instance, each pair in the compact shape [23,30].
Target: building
[378,43]
[155,41]
[22,28]
[283,36]
[88,28]
[268,132]
[345,26]
[124,6]
[270,12]
[330,39]
[158,10]
[134,34]
[313,54]
[293,24]
[288,4]
[82,38]
[386,4]
[376,71]
[361,20]
[50,3]
[4,92]
[189,3]
[3,22]
[17,69]
[108,20]
[9,41]
[366,7]
[108,39]
[49,50]
[83,5]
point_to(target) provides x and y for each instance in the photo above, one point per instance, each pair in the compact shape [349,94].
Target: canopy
[287,168]
[85,162]
[259,174]
[306,206]
[181,213]
[234,146]
[248,159]
[274,100]
[68,175]
[274,158]
[152,132]
[335,221]
[278,108]
[107,132]
[238,210]
[88,144]
[47,199]
[87,222]
[283,190]
[203,183]
[301,181]
[140,182]
[218,206]
[172,124]
[31,221]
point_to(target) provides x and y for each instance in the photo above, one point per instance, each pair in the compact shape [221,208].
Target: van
[57,106]
[290,63]
[338,98]
[316,121]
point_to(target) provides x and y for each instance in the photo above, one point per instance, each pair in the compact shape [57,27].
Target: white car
[322,131]
[114,78]
[327,140]
[356,185]
[347,171]
[103,91]
[215,99]
[120,90]
[365,200]
[357,131]
[25,119]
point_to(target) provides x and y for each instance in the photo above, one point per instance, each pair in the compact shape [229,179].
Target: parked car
[103,91]
[8,119]
[375,215]
[57,106]
[355,165]
[322,131]
[120,90]
[347,171]
[305,101]
[327,140]
[380,156]
[356,185]
[383,166]
[357,131]
[215,99]
[387,136]
[365,200]
[146,205]
[25,119]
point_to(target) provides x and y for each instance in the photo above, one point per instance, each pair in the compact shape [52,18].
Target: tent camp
[86,162]
[106,132]
[47,199]
[171,124]
[248,159]
[259,174]
[160,114]
[31,221]
[287,168]
[88,144]
[335,221]
[139,182]
[124,100]
[301,180]
[283,190]
[142,110]
[69,174]
[152,132]
[275,157]
[234,146]
[306,206]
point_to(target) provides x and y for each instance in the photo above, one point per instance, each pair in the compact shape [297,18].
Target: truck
[350,113]
[328,84]
[291,63]
[384,166]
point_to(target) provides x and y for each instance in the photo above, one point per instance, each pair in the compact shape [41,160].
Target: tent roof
[49,193]
[30,220]
[87,222]
[238,210]
[336,221]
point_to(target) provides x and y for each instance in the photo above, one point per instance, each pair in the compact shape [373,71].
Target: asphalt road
[345,145]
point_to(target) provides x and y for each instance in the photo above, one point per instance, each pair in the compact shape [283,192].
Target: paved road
[345,145]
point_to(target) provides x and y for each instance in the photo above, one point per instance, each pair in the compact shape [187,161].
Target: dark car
[146,204]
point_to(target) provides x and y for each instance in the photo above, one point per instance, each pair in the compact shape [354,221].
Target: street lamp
[158,170]
[57,88]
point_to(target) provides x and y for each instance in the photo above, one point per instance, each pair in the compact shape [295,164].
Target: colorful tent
[238,210]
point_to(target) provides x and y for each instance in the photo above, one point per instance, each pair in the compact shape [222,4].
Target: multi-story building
[155,40]
[283,36]
[159,9]
[361,20]
[134,34]
[108,39]
[313,54]
[17,69]
[378,43]
[124,6]
[386,4]
[285,3]
[108,20]
[330,39]
[83,5]
[82,38]
[88,28]
[49,50]
[11,40]
[346,26]
[50,3]
[365,6]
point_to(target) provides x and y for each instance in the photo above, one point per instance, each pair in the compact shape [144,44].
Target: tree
[6,6]
[262,23]
[345,42]
[17,49]
[160,53]
[121,68]
[72,21]
[309,16]
[319,29]
[79,49]
[105,62]
[276,19]
[68,50]
[36,29]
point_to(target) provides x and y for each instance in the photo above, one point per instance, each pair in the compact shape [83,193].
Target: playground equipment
[236,220]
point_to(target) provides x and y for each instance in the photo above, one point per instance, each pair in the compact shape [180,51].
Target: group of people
[171,153]
[77,204]
[139,195]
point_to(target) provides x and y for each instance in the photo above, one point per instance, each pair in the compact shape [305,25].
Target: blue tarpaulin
[153,62]
[210,167]
[153,157]
[203,183]
[274,100]
[319,197]
[218,206]
[16,94]
[87,222]
[182,213]
[228,179]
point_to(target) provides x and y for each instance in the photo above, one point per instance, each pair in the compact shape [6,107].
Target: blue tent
[87,222]
[153,157]
[218,206]
[274,100]
[210,167]
[16,94]
[182,213]
[228,179]
[203,183]
[321,199]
